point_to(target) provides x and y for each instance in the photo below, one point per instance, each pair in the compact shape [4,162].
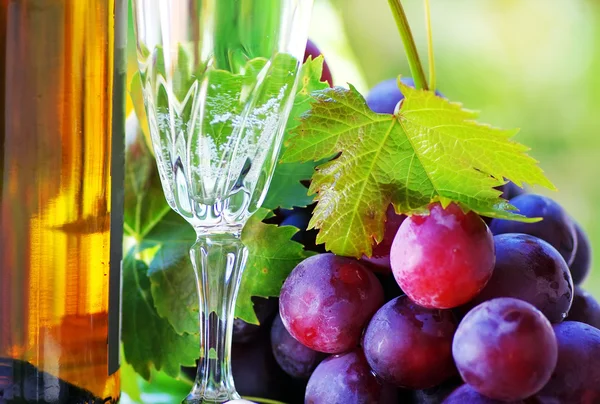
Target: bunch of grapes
[481,314]
[450,308]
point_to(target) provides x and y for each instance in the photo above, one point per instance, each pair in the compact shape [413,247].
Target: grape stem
[416,68]
[430,58]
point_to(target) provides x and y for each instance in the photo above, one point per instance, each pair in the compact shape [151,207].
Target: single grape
[380,258]
[313,50]
[294,358]
[576,378]
[265,309]
[530,269]
[384,97]
[556,228]
[409,345]
[585,308]
[300,218]
[582,262]
[510,190]
[505,349]
[466,395]
[343,379]
[444,259]
[436,394]
[255,371]
[327,300]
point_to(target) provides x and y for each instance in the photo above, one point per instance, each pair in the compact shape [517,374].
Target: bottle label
[117,188]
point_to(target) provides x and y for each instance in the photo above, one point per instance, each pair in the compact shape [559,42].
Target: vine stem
[416,68]
[430,57]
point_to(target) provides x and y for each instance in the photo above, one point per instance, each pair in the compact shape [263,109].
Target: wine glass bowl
[219,79]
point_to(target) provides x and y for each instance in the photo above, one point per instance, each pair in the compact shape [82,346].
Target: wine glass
[219,79]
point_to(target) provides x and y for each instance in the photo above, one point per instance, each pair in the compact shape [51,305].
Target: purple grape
[576,378]
[244,332]
[556,228]
[256,372]
[343,379]
[580,267]
[466,395]
[505,349]
[327,300]
[380,258]
[384,97]
[530,269]
[299,218]
[409,345]
[510,190]
[437,394]
[294,358]
[585,308]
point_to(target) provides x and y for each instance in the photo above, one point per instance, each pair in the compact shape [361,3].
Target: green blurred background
[529,64]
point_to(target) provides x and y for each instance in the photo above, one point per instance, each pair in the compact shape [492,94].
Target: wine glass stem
[218,261]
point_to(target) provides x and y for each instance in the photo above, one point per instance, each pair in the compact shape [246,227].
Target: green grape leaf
[431,150]
[271,257]
[286,189]
[174,286]
[149,341]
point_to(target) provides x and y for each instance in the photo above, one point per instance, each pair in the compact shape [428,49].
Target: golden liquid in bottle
[56,134]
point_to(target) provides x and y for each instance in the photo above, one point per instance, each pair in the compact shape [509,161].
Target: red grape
[409,345]
[379,260]
[343,379]
[530,269]
[585,308]
[312,50]
[444,259]
[576,378]
[505,349]
[327,300]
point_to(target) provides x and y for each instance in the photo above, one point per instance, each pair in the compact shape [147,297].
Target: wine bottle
[62,77]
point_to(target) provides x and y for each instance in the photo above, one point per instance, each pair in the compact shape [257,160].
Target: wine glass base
[193,399]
